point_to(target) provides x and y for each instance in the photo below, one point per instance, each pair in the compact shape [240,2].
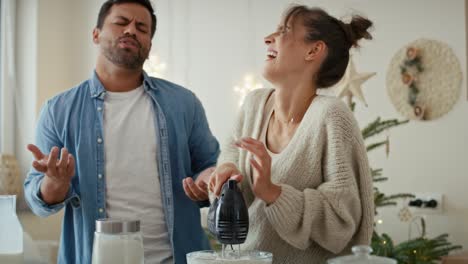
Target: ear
[96,32]
[317,50]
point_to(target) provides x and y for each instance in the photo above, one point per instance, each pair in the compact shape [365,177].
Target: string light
[154,67]
[246,87]
[250,83]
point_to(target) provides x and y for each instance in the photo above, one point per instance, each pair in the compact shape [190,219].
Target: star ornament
[350,84]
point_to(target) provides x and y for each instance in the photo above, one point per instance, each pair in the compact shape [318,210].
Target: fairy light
[249,84]
[154,66]
[380,221]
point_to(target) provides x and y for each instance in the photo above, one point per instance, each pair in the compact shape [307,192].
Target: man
[131,146]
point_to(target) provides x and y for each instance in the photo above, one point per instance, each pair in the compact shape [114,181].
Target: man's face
[125,36]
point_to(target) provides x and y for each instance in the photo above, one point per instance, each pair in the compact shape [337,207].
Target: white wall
[54,53]
[26,55]
[56,44]
[209,45]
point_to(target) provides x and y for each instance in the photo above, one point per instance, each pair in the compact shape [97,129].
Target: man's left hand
[198,190]
[195,190]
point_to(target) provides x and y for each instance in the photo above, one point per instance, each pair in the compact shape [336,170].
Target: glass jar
[361,256]
[118,242]
[230,257]
[11,232]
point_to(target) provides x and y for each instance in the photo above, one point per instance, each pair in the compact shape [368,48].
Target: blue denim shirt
[74,119]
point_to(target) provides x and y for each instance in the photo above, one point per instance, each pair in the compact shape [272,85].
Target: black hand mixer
[228,217]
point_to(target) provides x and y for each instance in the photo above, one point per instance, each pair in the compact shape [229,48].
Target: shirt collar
[98,90]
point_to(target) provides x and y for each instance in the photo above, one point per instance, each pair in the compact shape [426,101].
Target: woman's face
[287,51]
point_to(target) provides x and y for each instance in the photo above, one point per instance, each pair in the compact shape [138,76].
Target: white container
[230,257]
[11,232]
[118,242]
[362,256]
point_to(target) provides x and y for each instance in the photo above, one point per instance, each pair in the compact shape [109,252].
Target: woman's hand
[222,174]
[263,188]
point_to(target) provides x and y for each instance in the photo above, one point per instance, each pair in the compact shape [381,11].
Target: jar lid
[362,256]
[117,226]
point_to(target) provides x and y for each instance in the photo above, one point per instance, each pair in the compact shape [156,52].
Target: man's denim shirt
[74,120]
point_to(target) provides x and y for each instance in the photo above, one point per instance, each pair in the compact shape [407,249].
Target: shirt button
[99,140]
[101,210]
[99,108]
[100,176]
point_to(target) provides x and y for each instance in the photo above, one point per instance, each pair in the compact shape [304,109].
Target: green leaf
[376,172]
[353,106]
[376,145]
[377,126]
[379,179]
[401,195]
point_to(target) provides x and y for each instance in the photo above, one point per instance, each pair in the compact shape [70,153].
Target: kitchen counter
[42,236]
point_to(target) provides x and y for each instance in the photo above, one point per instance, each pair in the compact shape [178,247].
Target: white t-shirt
[131,170]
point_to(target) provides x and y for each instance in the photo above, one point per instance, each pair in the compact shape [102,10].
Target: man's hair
[106,7]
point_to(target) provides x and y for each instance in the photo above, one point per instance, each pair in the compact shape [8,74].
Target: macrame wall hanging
[424,79]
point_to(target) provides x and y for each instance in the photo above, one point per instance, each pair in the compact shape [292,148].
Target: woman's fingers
[222,174]
[220,180]
[237,177]
[256,166]
[256,148]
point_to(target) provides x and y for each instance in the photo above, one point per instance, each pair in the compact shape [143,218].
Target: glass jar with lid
[361,255]
[118,241]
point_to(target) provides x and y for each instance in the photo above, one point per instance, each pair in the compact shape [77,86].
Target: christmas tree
[414,251]
[419,250]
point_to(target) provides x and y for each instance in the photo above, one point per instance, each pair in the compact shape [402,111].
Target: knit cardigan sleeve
[330,214]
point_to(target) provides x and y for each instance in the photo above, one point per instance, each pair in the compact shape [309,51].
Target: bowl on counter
[230,257]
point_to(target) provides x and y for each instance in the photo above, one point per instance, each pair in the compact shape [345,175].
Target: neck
[292,100]
[117,79]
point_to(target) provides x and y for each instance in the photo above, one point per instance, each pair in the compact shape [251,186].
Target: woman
[300,157]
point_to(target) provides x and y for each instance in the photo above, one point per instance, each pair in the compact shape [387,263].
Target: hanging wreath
[424,79]
[411,68]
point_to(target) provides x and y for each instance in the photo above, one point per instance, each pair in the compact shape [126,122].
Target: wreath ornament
[411,68]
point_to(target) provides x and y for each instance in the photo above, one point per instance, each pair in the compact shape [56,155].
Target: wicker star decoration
[350,84]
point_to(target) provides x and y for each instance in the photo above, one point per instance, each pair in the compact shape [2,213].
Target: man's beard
[125,57]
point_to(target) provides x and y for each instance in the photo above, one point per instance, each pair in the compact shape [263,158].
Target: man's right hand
[222,174]
[58,172]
